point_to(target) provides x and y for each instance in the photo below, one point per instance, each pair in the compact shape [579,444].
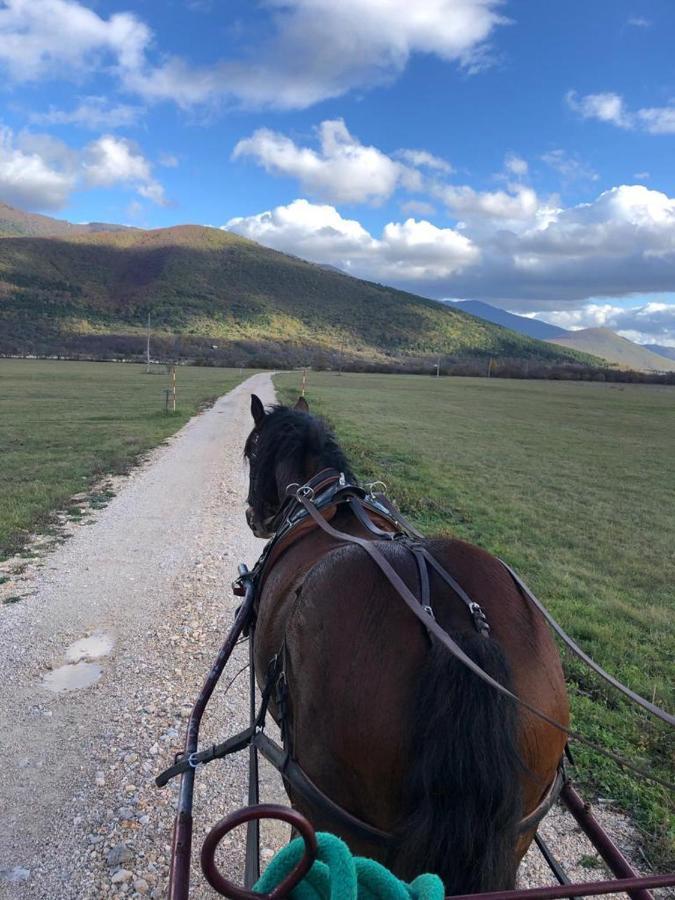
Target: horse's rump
[359,669]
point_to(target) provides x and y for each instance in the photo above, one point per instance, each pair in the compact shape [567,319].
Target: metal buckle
[429,611]
[305,491]
[192,762]
[371,488]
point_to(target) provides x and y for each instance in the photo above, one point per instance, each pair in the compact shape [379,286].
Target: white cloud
[657,119]
[543,257]
[570,167]
[639,22]
[517,204]
[94,113]
[611,108]
[45,37]
[343,170]
[606,107]
[37,171]
[406,250]
[515,165]
[317,49]
[27,179]
[112,160]
[423,159]
[651,322]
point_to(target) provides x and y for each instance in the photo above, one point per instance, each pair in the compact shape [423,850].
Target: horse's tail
[463,796]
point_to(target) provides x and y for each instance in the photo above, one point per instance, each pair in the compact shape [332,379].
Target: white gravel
[150,575]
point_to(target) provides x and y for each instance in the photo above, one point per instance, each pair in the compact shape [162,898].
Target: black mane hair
[288,437]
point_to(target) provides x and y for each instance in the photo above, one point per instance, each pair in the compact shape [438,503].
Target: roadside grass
[65,425]
[572,484]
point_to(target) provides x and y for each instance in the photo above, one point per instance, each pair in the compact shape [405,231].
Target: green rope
[337,875]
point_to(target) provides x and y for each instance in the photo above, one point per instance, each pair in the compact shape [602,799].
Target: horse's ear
[302,405]
[257,410]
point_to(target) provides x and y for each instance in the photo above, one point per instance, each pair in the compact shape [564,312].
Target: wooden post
[438,368]
[173,389]
[304,382]
[147,348]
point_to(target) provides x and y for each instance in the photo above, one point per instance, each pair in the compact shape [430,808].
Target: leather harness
[313,505]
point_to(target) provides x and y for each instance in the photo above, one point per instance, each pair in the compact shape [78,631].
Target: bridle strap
[435,629]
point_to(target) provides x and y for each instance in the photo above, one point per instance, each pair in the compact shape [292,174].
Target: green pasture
[63,425]
[571,483]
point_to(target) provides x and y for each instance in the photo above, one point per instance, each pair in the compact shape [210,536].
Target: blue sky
[515,152]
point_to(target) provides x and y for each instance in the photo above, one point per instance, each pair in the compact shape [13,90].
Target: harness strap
[232,745]
[303,784]
[217,751]
[434,628]
[298,778]
[477,614]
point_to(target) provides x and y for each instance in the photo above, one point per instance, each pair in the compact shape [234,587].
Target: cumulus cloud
[45,37]
[343,170]
[27,179]
[517,251]
[605,107]
[94,113]
[517,204]
[37,171]
[611,108]
[317,49]
[406,251]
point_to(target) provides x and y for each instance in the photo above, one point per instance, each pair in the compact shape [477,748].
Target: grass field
[65,424]
[572,484]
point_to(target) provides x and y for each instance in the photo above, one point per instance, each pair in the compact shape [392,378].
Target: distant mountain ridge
[534,328]
[616,349]
[660,350]
[88,289]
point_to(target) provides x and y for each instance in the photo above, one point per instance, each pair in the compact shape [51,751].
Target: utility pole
[147,348]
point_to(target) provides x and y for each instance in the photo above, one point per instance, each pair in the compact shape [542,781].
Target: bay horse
[381,717]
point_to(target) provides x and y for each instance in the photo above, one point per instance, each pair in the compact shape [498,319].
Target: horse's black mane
[290,436]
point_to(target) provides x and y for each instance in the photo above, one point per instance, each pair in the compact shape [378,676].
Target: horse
[382,718]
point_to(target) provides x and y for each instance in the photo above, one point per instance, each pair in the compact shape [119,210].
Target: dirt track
[81,817]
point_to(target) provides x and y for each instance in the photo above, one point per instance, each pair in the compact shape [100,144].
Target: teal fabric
[337,875]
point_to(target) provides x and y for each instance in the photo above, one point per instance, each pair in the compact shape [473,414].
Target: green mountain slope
[616,349]
[81,290]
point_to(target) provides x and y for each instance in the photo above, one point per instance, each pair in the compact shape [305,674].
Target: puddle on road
[72,677]
[93,647]
[79,672]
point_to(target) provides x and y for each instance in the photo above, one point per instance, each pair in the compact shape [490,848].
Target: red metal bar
[179,876]
[616,861]
[588,888]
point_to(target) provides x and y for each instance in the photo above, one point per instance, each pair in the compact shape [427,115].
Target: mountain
[615,349]
[660,350]
[77,290]
[16,223]
[531,327]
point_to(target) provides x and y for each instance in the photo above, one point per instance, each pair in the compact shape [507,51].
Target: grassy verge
[66,424]
[572,484]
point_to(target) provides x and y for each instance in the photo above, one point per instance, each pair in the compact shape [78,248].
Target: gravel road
[101,660]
